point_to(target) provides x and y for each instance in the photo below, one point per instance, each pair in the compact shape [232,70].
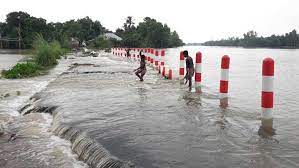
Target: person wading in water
[189,69]
[140,72]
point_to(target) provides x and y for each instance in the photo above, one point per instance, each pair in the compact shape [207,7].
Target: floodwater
[33,146]
[159,123]
[8,58]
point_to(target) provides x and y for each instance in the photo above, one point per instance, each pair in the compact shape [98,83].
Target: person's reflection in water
[143,95]
[222,122]
[191,99]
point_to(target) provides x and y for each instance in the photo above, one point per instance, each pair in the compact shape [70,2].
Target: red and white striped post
[267,95]
[149,55]
[163,71]
[162,61]
[156,59]
[152,57]
[162,57]
[182,67]
[170,74]
[133,54]
[136,53]
[198,61]
[159,69]
[224,81]
[145,54]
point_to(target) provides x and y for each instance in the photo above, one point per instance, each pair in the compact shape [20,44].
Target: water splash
[87,149]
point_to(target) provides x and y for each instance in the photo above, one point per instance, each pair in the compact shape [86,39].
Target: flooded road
[33,145]
[8,58]
[101,106]
[158,123]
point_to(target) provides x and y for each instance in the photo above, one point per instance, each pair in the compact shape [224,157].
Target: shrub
[101,43]
[65,42]
[22,70]
[57,50]
[44,54]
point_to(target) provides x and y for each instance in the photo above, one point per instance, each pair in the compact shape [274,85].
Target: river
[159,123]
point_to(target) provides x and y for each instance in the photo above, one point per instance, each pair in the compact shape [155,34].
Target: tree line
[251,40]
[149,33]
[29,26]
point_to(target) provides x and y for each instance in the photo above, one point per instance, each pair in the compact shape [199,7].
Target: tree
[83,29]
[251,39]
[148,33]
[175,40]
[129,24]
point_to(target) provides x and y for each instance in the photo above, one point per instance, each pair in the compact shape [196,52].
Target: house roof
[112,35]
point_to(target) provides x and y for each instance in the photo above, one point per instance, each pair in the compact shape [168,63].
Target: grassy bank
[45,56]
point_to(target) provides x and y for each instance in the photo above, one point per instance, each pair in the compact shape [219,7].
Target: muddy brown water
[158,123]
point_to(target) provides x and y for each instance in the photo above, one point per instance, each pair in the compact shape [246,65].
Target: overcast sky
[194,20]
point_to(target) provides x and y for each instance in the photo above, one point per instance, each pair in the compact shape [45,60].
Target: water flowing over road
[34,146]
[114,120]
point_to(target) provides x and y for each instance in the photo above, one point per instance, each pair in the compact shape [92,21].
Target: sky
[194,20]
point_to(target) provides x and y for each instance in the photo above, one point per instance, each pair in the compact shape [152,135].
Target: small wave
[87,149]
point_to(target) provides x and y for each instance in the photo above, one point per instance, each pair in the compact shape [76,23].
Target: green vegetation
[22,70]
[100,43]
[251,39]
[57,50]
[45,55]
[149,33]
[28,26]
[49,41]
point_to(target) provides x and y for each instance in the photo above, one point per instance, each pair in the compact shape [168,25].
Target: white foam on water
[65,147]
[35,85]
[62,144]
[11,105]
[14,104]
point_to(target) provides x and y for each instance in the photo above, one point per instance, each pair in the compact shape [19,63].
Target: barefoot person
[140,72]
[189,69]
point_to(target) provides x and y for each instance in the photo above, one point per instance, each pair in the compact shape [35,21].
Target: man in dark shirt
[140,72]
[189,69]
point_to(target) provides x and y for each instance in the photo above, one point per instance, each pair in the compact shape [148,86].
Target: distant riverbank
[256,47]
[194,45]
[252,40]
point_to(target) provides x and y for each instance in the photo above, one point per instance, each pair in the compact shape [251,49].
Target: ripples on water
[158,123]
[33,145]
[9,57]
